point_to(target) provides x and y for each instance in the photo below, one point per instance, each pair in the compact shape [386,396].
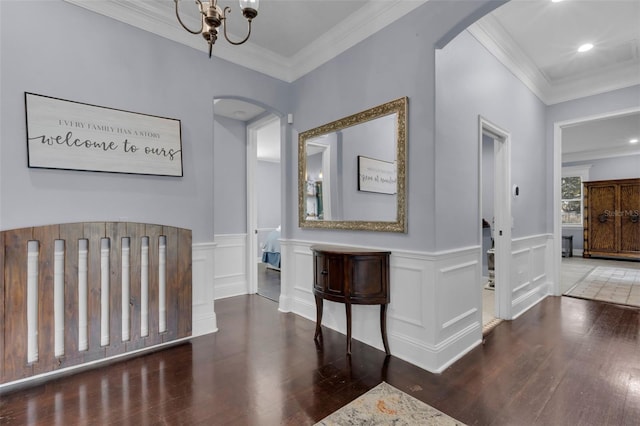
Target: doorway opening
[264,206]
[582,154]
[494,181]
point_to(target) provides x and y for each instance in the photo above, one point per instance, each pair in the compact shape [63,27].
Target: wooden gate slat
[154,232]
[15,327]
[46,237]
[94,232]
[71,233]
[173,307]
[184,283]
[115,231]
[2,311]
[135,231]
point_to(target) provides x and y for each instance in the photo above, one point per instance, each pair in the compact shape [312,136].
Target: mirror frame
[400,107]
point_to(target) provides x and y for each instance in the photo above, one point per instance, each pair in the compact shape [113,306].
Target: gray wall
[82,56]
[361,78]
[471,82]
[230,175]
[626,167]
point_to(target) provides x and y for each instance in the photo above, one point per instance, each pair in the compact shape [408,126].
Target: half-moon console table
[353,276]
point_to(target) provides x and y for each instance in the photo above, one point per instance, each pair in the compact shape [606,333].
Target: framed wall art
[377,176]
[70,135]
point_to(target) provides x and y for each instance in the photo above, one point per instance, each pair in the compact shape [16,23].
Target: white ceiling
[535,39]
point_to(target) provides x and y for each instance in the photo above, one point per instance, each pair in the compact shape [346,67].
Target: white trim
[252,198]
[500,44]
[599,154]
[203,309]
[502,211]
[159,18]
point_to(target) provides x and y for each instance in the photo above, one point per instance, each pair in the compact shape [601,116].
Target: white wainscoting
[204,316]
[435,314]
[531,271]
[230,271]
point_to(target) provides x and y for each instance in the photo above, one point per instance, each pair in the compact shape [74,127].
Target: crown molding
[500,44]
[149,16]
[595,84]
[157,18]
[598,154]
[369,19]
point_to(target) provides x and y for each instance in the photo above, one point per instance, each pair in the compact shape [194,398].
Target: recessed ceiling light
[634,140]
[556,1]
[585,47]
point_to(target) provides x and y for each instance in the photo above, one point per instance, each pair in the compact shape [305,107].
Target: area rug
[613,285]
[386,405]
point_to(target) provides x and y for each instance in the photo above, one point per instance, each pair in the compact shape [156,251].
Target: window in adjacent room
[572,196]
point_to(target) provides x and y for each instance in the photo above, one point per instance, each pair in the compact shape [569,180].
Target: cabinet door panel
[335,275]
[602,219]
[320,279]
[629,216]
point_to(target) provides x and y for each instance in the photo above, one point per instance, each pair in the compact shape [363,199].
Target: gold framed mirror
[352,171]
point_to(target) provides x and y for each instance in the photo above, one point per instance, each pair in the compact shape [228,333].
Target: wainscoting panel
[230,269]
[204,315]
[530,272]
[433,318]
[435,314]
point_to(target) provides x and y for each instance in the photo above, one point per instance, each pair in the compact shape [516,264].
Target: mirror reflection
[352,171]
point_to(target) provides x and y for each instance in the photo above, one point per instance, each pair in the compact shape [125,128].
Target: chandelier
[213,18]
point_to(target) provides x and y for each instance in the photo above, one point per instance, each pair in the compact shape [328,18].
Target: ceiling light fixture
[585,47]
[213,17]
[634,140]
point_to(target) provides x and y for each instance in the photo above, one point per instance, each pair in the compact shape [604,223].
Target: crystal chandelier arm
[182,23]
[224,17]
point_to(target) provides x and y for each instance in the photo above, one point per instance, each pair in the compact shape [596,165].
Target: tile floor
[575,269]
[610,284]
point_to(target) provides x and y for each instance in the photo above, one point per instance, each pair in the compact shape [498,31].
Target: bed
[271,249]
[77,293]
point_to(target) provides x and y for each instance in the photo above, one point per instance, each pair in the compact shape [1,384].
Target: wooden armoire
[612,218]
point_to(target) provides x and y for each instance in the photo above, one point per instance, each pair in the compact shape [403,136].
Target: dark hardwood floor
[564,362]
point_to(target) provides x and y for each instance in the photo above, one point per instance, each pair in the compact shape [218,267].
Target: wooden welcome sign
[71,135]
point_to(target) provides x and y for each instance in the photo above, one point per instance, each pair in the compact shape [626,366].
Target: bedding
[271,249]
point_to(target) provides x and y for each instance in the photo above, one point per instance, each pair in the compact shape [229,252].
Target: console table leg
[348,309]
[383,327]
[319,303]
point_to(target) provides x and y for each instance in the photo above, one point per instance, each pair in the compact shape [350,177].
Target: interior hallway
[565,361]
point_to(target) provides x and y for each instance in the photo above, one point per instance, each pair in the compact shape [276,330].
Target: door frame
[502,212]
[252,198]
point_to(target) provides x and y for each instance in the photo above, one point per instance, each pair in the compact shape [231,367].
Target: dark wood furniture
[109,268]
[612,218]
[353,276]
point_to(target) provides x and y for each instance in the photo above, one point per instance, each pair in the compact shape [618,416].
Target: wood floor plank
[565,361]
